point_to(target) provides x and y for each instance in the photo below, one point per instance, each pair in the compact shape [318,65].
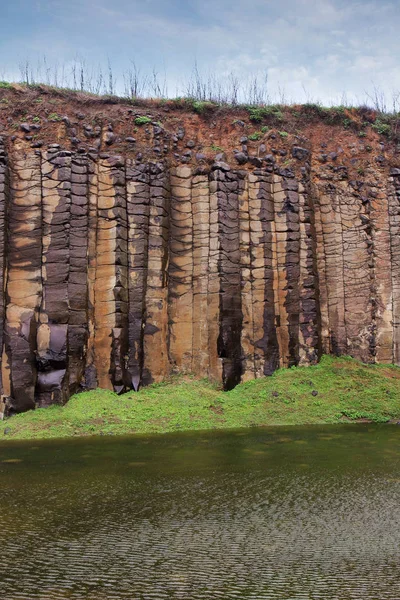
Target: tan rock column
[105,316]
[322,297]
[155,350]
[279,242]
[93,190]
[138,206]
[24,276]
[180,271]
[382,273]
[201,251]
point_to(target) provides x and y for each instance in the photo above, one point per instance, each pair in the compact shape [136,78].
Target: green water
[280,513]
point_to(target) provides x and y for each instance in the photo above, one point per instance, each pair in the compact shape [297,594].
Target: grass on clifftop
[336,390]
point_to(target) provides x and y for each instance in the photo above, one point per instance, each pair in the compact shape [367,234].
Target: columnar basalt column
[327,204]
[280,284]
[4,200]
[247,332]
[119,353]
[105,320]
[309,318]
[52,386]
[138,206]
[201,254]
[180,271]
[213,303]
[381,289]
[24,276]
[356,270]
[394,221]
[155,344]
[229,347]
[78,329]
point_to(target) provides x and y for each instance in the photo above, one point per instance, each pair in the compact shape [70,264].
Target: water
[282,513]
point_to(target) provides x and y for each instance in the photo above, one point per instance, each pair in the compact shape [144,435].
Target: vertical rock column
[111,286]
[261,279]
[4,199]
[356,271]
[155,348]
[119,351]
[78,273]
[105,278]
[264,211]
[247,332]
[201,252]
[309,318]
[229,346]
[292,263]
[138,203]
[213,303]
[394,220]
[382,283]
[54,310]
[90,380]
[279,267]
[24,276]
[180,271]
[327,207]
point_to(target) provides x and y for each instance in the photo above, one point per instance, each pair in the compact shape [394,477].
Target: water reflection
[290,513]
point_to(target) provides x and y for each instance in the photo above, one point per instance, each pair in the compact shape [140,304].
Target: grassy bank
[336,390]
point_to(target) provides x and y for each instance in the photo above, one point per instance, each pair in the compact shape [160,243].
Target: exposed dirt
[40,116]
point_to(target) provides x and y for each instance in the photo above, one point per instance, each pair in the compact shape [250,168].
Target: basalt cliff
[138,241]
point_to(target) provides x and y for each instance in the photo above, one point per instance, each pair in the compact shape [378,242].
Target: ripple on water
[265,515]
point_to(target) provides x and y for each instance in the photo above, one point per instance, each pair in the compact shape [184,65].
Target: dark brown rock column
[201,255]
[309,317]
[229,346]
[24,276]
[4,200]
[119,354]
[156,365]
[382,288]
[54,310]
[180,271]
[138,204]
[78,273]
[213,303]
[111,284]
[394,220]
[292,263]
[266,341]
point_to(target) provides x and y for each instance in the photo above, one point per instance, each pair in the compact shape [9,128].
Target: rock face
[120,269]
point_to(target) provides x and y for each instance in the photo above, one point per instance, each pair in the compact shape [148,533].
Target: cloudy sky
[312,49]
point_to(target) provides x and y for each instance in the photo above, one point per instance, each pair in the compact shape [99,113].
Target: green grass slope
[335,390]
